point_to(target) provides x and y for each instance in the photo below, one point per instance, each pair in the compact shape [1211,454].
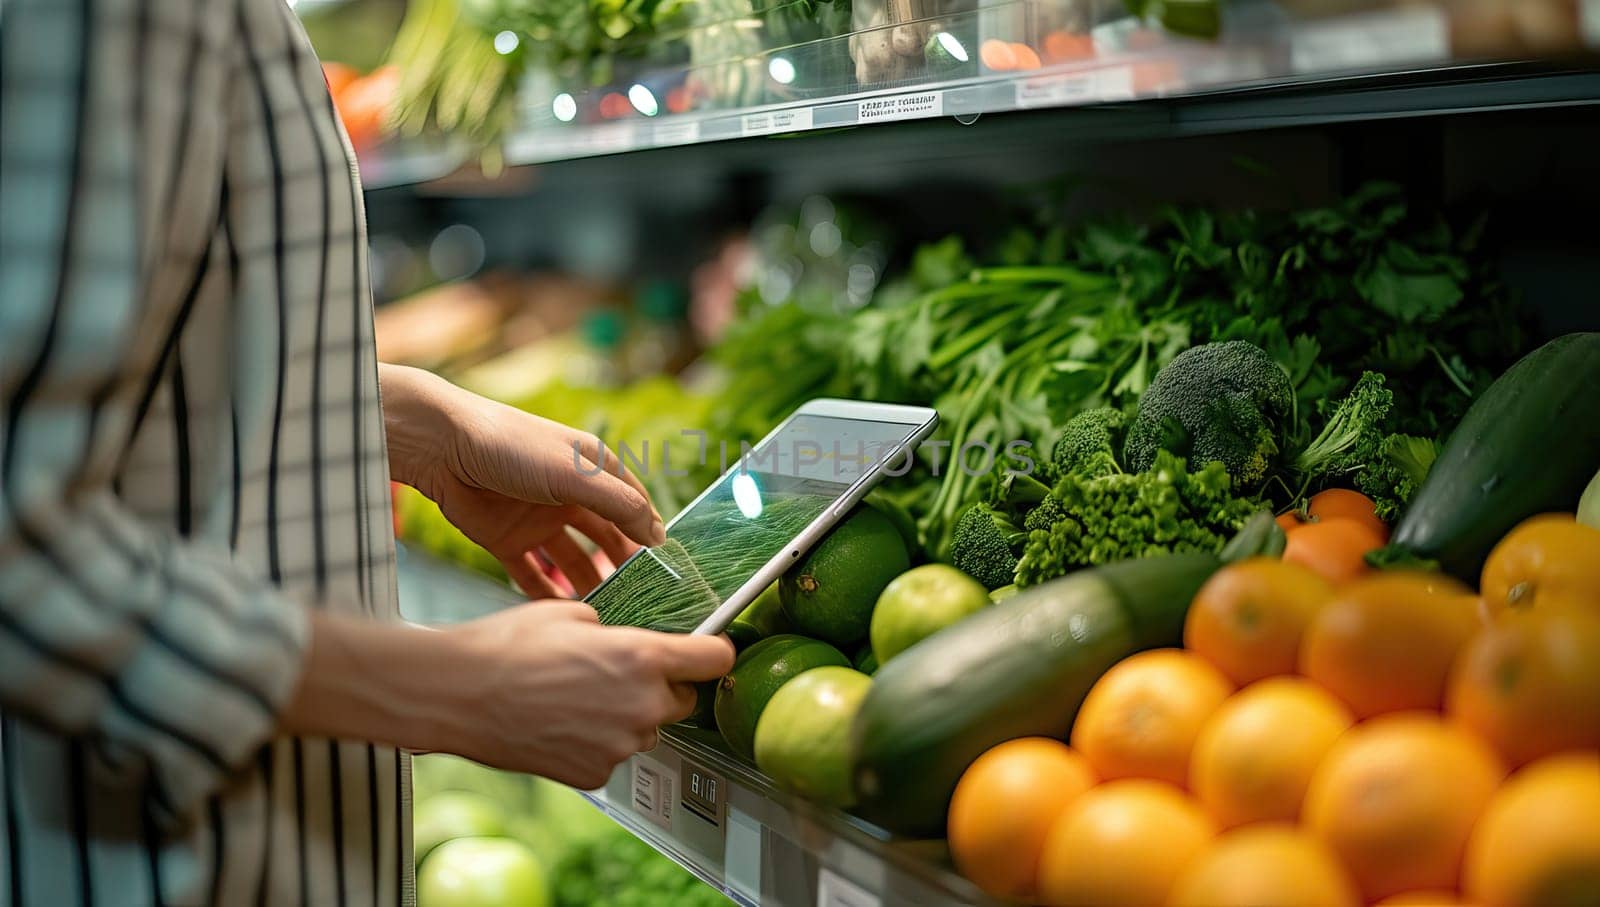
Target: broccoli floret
[1049,512]
[984,546]
[1222,402]
[1353,437]
[1089,442]
[1123,516]
[1395,475]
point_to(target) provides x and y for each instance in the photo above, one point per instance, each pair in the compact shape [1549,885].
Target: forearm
[392,683]
[415,419]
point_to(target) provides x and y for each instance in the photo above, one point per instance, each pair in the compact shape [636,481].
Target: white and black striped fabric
[191,457]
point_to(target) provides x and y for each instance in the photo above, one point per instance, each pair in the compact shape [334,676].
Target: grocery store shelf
[1265,70]
[405,163]
[717,816]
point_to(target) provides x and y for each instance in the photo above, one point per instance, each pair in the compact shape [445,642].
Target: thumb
[693,659]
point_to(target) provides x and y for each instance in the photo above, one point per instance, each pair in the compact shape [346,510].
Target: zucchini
[1527,446]
[1019,668]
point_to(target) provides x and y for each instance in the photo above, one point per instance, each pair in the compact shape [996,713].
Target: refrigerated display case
[733,122]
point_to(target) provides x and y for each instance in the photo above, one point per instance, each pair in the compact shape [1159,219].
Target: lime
[453,814]
[829,595]
[921,602]
[803,737]
[482,872]
[865,661]
[879,500]
[763,618]
[764,667]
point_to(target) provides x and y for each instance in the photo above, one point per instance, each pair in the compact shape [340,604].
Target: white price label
[834,890]
[797,120]
[1412,35]
[1113,83]
[1056,91]
[901,107]
[652,791]
[610,137]
[686,133]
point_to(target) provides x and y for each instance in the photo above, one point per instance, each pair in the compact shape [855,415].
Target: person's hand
[540,687]
[514,483]
[559,695]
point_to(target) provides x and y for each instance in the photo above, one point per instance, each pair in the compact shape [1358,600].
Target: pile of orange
[1383,738]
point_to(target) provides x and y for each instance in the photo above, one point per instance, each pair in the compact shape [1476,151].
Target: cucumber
[743,694]
[1589,504]
[1527,446]
[1017,669]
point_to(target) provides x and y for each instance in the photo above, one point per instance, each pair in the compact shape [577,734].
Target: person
[206,695]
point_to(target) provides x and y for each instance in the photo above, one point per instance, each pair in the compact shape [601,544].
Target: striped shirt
[191,457]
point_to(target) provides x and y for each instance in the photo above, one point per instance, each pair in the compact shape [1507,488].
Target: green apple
[453,814]
[482,872]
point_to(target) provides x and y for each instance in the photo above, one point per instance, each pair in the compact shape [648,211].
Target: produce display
[1292,597]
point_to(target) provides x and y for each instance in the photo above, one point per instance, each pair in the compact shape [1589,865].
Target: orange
[1124,842]
[1141,718]
[1345,504]
[1256,754]
[1265,866]
[1005,803]
[1545,557]
[1335,549]
[1396,799]
[1539,840]
[1386,643]
[1422,899]
[1248,618]
[1530,684]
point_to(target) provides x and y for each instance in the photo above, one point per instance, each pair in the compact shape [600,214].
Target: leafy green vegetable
[618,869]
[1224,402]
[1353,436]
[1393,477]
[1131,515]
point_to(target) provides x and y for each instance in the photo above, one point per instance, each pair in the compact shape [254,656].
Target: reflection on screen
[748,517]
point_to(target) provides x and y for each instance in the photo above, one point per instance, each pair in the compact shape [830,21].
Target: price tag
[652,791]
[1056,91]
[685,133]
[704,793]
[796,120]
[1114,83]
[834,890]
[1413,35]
[901,107]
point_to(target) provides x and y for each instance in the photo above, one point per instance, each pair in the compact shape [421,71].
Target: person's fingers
[609,497]
[593,449]
[684,698]
[529,576]
[648,740]
[604,533]
[695,658]
[573,561]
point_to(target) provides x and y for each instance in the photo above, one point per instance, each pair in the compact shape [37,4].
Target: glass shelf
[716,815]
[966,60]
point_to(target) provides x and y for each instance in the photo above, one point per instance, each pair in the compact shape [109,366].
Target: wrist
[417,423]
[391,683]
